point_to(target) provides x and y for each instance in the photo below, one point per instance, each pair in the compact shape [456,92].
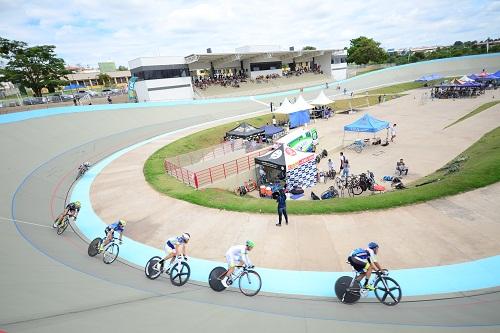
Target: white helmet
[186,236]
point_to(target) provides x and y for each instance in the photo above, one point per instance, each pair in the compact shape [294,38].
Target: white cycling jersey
[238,253]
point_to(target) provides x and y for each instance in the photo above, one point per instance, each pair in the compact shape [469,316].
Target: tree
[104,78]
[122,68]
[305,48]
[363,50]
[33,67]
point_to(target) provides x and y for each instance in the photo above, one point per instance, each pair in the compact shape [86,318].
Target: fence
[210,175]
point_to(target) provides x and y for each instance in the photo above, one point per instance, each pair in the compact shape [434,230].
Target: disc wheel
[214,278]
[179,274]
[62,227]
[388,293]
[250,283]
[150,272]
[343,292]
[111,253]
[94,247]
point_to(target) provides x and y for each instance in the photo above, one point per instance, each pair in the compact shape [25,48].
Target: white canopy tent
[321,99]
[301,104]
[465,78]
[285,107]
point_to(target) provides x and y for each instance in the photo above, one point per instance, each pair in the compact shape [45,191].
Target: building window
[160,72]
[265,66]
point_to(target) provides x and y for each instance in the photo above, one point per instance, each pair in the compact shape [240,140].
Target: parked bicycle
[64,224]
[110,251]
[249,281]
[178,270]
[387,290]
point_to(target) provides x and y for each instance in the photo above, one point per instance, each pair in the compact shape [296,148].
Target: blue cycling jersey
[116,227]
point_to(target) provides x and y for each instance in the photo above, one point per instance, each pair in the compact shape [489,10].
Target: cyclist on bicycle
[174,246]
[110,230]
[84,167]
[363,260]
[72,209]
[237,255]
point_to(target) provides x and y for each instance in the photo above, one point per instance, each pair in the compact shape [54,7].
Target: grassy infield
[479,169]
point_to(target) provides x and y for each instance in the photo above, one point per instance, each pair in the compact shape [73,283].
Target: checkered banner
[302,176]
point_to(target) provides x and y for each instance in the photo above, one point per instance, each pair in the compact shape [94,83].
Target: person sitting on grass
[401,167]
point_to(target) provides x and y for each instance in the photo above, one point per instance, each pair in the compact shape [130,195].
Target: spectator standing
[379,99]
[75,101]
[281,199]
[344,165]
[274,120]
[231,140]
[393,132]
[110,101]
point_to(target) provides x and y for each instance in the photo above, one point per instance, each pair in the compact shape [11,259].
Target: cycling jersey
[72,206]
[364,255]
[115,227]
[172,242]
[236,254]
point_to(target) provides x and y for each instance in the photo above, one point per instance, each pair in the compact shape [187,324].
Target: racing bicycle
[178,270]
[61,227]
[387,290]
[110,251]
[249,281]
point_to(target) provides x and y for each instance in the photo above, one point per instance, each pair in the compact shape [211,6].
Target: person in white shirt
[237,255]
[393,132]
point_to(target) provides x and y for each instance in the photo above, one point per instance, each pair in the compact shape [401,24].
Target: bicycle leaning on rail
[110,251]
[387,290]
[178,270]
[249,281]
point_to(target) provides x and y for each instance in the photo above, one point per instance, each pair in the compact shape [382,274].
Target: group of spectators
[456,92]
[302,70]
[321,112]
[224,80]
[267,77]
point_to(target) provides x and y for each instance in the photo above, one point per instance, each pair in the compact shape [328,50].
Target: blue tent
[271,130]
[299,118]
[427,78]
[73,86]
[367,124]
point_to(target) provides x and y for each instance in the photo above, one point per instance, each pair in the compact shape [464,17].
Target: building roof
[94,75]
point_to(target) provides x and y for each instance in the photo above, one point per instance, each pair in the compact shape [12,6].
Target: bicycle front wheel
[63,226]
[111,253]
[179,274]
[388,291]
[94,247]
[250,283]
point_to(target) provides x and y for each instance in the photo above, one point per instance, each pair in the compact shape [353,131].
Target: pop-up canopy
[321,99]
[298,113]
[244,131]
[367,123]
[285,107]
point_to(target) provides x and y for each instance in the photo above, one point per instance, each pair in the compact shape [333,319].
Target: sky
[90,31]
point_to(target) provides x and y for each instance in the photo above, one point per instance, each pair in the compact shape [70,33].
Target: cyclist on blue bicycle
[118,226]
[174,246]
[363,260]
[72,209]
[237,255]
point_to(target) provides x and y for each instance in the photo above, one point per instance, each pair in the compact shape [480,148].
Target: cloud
[90,31]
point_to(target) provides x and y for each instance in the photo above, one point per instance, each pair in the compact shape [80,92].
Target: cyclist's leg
[109,237]
[61,217]
[169,254]
[368,270]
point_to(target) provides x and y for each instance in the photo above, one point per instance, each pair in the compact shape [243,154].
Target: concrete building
[90,78]
[170,78]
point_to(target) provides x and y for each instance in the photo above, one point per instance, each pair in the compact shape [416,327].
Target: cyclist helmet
[122,222]
[372,245]
[249,243]
[87,164]
[186,236]
[78,204]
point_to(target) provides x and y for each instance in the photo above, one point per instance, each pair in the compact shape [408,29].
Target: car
[60,97]
[109,91]
[35,100]
[87,92]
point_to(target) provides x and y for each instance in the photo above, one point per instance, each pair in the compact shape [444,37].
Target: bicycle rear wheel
[94,247]
[250,283]
[214,278]
[63,226]
[345,294]
[150,272]
[111,253]
[388,291]
[179,274]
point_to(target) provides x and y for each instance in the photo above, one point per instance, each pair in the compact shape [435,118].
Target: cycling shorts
[232,261]
[169,248]
[359,266]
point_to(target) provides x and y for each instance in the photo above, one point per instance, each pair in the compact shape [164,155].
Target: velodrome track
[49,284]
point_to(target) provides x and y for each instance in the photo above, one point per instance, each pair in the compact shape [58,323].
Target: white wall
[145,94]
[254,74]
[155,61]
[339,71]
[324,61]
